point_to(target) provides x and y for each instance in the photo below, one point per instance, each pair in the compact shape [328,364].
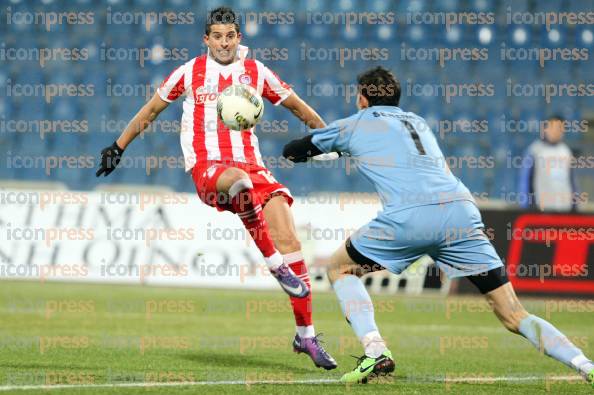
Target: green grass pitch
[81,336]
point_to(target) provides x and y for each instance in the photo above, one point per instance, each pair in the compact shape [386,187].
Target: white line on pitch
[420,379]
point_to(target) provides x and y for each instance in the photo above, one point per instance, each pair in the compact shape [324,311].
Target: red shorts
[205,178]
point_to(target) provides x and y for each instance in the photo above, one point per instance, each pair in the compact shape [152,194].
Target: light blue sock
[545,337]
[356,304]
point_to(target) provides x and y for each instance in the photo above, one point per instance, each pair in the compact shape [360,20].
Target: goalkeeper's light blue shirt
[398,152]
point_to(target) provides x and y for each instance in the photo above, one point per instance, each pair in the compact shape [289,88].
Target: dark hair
[379,86]
[556,117]
[221,16]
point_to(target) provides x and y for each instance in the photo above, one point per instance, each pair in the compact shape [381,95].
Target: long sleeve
[526,181]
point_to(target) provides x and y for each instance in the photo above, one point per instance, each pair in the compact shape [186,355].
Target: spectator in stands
[547,180]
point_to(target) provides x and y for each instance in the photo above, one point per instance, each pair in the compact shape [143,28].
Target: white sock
[582,364]
[306,331]
[293,257]
[545,337]
[373,344]
[274,260]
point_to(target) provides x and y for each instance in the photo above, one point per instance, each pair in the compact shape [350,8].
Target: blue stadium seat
[584,70]
[284,31]
[557,71]
[34,107]
[379,6]
[7,172]
[64,108]
[318,31]
[383,32]
[581,5]
[416,34]
[519,36]
[31,143]
[348,5]
[482,5]
[447,5]
[584,36]
[275,5]
[180,4]
[563,105]
[516,5]
[555,37]
[548,5]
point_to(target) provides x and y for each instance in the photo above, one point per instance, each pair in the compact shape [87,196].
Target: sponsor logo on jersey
[203,95]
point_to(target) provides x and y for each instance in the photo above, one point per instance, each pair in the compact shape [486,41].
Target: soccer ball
[240,107]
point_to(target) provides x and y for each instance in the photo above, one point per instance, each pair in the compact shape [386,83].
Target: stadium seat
[581,5]
[519,36]
[555,37]
[318,31]
[482,5]
[63,108]
[275,5]
[515,5]
[383,32]
[557,71]
[584,36]
[447,5]
[548,5]
[284,31]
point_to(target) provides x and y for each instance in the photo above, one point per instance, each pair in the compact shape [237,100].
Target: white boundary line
[419,380]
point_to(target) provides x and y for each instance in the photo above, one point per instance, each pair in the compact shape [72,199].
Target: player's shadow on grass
[246,361]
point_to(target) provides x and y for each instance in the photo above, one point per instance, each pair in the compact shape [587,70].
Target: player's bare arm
[110,156]
[303,111]
[143,118]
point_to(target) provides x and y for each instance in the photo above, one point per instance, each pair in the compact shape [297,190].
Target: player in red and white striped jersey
[203,136]
[227,166]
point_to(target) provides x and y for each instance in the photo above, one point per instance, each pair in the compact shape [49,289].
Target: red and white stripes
[203,136]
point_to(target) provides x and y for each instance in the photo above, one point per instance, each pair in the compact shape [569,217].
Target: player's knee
[229,177]
[332,273]
[336,270]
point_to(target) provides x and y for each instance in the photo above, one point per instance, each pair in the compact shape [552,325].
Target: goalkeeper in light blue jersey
[426,211]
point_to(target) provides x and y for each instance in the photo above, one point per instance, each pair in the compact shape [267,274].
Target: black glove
[110,158]
[300,150]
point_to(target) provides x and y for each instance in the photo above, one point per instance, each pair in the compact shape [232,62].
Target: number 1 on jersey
[415,137]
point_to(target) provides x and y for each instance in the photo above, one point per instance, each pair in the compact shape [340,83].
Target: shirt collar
[242,52]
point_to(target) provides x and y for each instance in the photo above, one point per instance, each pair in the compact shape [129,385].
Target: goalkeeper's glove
[110,158]
[300,150]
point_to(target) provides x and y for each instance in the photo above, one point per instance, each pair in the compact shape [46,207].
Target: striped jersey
[203,136]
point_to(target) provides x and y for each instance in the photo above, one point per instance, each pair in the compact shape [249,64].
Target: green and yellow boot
[368,368]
